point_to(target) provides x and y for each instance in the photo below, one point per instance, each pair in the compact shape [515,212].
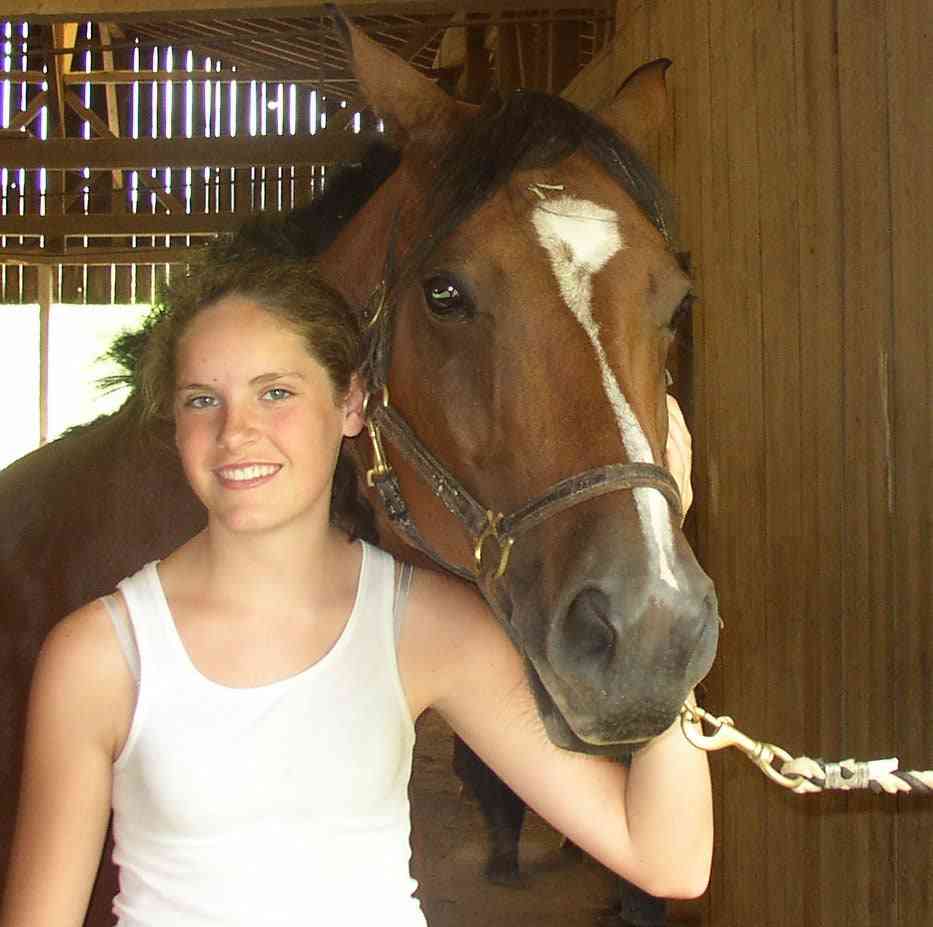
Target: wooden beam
[139,153]
[97,124]
[423,36]
[63,34]
[129,10]
[25,77]
[40,257]
[25,117]
[98,225]
[113,77]
[226,76]
[110,92]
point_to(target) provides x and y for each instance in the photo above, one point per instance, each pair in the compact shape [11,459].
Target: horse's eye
[446,299]
[682,312]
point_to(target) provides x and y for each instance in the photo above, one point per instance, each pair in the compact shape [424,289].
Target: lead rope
[803,774]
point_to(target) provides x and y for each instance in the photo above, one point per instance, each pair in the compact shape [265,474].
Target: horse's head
[532,297]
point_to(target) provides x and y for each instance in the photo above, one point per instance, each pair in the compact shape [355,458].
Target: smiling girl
[246,705]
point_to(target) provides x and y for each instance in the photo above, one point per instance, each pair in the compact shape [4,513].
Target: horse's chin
[562,735]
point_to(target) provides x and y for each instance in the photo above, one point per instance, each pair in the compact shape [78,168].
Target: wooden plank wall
[800,155]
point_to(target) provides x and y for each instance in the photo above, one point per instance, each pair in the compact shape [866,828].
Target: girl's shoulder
[81,672]
[84,637]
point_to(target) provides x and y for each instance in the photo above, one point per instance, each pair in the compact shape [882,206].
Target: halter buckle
[491,530]
[381,466]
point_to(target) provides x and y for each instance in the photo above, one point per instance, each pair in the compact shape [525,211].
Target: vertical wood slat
[224,198]
[868,632]
[144,272]
[243,192]
[910,139]
[124,276]
[98,277]
[786,643]
[689,80]
[121,58]
[734,344]
[29,284]
[817,135]
[178,91]
[45,310]
[72,276]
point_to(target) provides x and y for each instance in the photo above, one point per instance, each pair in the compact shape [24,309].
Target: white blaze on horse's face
[580,237]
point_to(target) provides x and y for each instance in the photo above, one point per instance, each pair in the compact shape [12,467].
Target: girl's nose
[237,428]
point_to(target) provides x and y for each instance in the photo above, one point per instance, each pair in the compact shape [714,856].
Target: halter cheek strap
[483,524]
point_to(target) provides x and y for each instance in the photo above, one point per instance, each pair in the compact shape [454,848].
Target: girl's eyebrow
[187,386]
[256,381]
[277,375]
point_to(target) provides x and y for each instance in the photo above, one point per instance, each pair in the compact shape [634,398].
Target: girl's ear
[353,417]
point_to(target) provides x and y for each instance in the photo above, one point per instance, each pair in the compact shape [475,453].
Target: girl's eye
[277,393]
[201,402]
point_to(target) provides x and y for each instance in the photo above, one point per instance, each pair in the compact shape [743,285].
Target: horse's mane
[300,233]
[527,130]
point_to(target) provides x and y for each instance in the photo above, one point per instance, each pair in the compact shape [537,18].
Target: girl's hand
[679,452]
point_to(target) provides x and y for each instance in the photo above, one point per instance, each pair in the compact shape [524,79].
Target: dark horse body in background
[529,297]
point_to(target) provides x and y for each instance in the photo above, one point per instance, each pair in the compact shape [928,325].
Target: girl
[246,706]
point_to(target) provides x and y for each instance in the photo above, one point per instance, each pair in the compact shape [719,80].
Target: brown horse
[522,294]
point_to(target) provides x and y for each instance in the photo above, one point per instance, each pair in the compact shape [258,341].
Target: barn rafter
[129,129]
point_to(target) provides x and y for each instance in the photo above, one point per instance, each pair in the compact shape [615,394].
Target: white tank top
[285,804]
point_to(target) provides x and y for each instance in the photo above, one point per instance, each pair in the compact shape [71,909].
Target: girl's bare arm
[80,702]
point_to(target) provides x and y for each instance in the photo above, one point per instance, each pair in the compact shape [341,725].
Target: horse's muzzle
[615,663]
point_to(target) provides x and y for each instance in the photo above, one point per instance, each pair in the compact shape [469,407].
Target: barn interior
[134,131]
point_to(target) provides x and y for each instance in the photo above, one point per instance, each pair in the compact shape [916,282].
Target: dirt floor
[449,847]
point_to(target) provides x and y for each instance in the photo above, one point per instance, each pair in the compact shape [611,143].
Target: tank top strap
[383,595]
[123,628]
[151,622]
[402,589]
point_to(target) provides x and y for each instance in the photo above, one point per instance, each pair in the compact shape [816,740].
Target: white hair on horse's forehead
[578,248]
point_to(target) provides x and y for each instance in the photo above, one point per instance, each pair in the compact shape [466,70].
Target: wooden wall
[800,151]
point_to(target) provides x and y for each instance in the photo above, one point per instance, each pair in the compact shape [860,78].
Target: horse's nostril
[587,630]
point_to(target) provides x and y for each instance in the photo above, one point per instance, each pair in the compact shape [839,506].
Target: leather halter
[482,524]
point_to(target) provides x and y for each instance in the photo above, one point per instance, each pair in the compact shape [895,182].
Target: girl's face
[257,424]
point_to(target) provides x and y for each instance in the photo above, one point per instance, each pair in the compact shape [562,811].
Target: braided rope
[803,774]
[877,775]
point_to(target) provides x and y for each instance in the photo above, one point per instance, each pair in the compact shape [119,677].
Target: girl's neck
[301,564]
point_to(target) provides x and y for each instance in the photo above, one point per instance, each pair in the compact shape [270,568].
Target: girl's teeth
[247,473]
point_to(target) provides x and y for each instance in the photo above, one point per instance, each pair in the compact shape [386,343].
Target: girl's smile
[246,476]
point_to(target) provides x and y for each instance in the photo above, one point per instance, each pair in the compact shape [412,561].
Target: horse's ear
[641,106]
[409,103]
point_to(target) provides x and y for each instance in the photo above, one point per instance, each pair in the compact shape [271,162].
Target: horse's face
[530,346]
